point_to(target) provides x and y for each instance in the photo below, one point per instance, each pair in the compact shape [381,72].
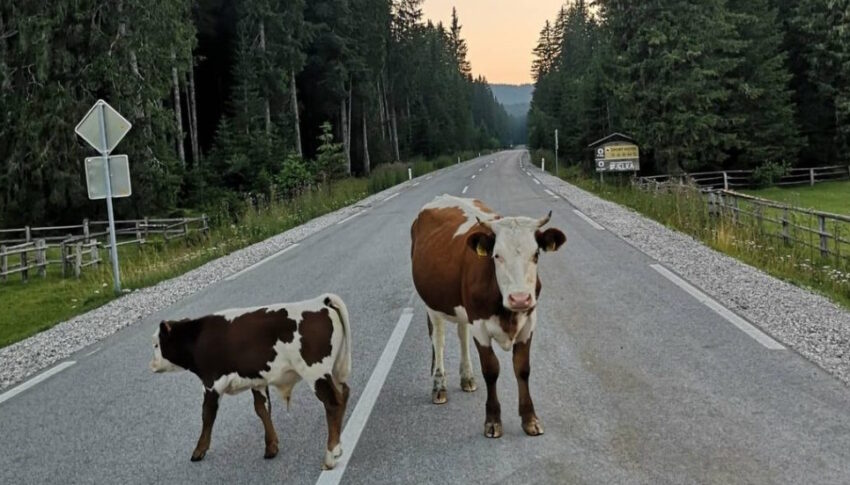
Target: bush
[769,173]
[294,177]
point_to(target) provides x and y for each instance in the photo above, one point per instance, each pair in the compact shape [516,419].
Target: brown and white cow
[477,269]
[253,348]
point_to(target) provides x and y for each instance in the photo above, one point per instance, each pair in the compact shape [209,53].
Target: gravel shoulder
[809,323]
[22,359]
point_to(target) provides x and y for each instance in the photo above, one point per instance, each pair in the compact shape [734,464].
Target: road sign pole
[112,244]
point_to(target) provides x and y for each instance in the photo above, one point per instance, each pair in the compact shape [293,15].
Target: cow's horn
[545,220]
[483,223]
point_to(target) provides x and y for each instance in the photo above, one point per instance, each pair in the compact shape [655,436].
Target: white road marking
[417,183]
[550,193]
[352,216]
[429,177]
[260,262]
[93,352]
[473,177]
[390,197]
[536,181]
[464,189]
[481,169]
[35,380]
[357,422]
[588,220]
[721,310]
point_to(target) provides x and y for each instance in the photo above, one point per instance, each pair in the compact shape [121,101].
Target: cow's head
[163,347]
[514,244]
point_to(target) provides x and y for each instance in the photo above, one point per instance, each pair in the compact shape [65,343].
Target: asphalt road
[634,379]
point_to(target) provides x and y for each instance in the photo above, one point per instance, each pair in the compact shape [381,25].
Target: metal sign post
[103,128]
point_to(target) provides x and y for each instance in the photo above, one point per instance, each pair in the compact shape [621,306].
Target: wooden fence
[22,252]
[732,179]
[825,234]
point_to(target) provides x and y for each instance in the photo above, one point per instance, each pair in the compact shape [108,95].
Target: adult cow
[252,348]
[477,269]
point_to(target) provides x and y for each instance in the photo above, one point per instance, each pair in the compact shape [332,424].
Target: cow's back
[439,254]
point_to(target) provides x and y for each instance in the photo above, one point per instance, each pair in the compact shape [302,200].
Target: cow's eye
[497,257]
[536,256]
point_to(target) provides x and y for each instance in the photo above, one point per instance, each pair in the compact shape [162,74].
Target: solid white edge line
[357,421]
[743,325]
[415,184]
[473,177]
[536,181]
[464,189]
[352,216]
[260,262]
[35,380]
[549,192]
[390,197]
[588,220]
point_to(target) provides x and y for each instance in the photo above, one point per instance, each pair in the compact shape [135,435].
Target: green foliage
[294,177]
[769,173]
[330,160]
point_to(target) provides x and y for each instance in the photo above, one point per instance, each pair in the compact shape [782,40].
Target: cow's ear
[482,243]
[164,327]
[550,239]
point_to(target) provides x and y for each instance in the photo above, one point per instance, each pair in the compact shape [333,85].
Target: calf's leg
[335,399]
[265,415]
[522,368]
[437,329]
[210,408]
[490,369]
[467,378]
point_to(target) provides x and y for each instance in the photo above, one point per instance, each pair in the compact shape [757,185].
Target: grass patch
[39,304]
[826,196]
[685,210]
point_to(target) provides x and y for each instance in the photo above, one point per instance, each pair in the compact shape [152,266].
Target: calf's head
[165,348]
[514,244]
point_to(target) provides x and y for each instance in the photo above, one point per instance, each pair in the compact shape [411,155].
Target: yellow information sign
[621,152]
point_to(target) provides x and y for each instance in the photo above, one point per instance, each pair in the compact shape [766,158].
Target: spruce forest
[228,98]
[708,85]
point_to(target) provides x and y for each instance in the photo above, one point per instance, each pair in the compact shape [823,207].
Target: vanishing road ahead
[635,379]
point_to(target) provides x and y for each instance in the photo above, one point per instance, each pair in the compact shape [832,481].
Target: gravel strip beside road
[24,358]
[808,322]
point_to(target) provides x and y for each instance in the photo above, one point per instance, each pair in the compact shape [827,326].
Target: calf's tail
[342,364]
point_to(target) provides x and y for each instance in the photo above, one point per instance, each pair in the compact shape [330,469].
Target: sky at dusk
[500,33]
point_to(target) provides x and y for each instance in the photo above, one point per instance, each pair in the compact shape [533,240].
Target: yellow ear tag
[481,250]
[551,246]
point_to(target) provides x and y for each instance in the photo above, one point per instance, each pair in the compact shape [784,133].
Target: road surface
[635,379]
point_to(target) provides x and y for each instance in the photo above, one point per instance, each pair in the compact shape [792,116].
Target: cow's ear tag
[551,246]
[481,250]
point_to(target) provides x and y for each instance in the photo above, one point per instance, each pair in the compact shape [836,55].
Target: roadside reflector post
[409,174]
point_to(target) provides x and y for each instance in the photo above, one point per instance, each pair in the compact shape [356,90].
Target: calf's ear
[482,243]
[551,239]
[164,327]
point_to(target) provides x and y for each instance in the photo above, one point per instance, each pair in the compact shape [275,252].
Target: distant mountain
[509,94]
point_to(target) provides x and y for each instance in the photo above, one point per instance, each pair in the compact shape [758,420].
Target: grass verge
[41,303]
[826,196]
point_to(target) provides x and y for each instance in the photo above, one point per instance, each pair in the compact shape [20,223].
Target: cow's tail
[342,364]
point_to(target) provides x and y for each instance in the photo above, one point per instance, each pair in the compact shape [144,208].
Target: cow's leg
[522,369]
[490,369]
[265,415]
[335,399]
[437,328]
[210,408]
[467,378]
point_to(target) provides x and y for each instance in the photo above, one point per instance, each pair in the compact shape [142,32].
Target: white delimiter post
[113,247]
[543,164]
[409,174]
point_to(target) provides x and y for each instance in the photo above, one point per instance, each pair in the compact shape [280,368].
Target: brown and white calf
[253,348]
[477,269]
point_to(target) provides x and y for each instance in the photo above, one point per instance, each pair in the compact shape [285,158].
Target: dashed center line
[536,181]
[35,380]
[550,193]
[352,216]
[588,220]
[473,177]
[417,183]
[357,421]
[464,189]
[390,197]
[261,262]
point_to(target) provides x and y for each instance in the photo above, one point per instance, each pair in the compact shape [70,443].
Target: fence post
[146,227]
[4,263]
[41,257]
[824,239]
[812,176]
[138,231]
[94,254]
[205,227]
[785,236]
[735,209]
[185,227]
[86,229]
[78,259]
[24,263]
[725,181]
[27,233]
[63,257]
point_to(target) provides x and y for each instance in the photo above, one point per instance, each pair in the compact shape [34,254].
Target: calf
[253,348]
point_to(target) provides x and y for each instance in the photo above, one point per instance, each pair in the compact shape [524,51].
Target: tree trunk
[193,146]
[395,135]
[178,115]
[343,126]
[267,112]
[366,162]
[409,123]
[193,111]
[294,90]
[348,130]
[381,110]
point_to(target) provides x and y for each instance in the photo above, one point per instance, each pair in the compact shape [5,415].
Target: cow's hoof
[468,384]
[331,457]
[493,430]
[533,427]
[198,455]
[271,451]
[439,396]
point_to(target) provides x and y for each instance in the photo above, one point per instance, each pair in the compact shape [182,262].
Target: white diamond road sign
[119,176]
[116,127]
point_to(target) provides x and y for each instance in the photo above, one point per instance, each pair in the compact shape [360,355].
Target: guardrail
[731,179]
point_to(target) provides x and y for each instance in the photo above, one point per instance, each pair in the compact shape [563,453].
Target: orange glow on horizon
[500,33]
